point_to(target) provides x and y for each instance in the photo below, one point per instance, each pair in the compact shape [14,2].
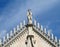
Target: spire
[29,16]
[0,43]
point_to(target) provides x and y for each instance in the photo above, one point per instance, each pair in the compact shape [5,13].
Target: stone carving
[29,16]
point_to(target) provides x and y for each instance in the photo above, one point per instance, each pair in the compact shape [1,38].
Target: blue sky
[46,12]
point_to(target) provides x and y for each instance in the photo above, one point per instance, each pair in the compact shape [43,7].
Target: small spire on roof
[0,41]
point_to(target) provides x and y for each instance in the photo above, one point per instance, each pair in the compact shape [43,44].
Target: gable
[20,40]
[40,40]
[30,35]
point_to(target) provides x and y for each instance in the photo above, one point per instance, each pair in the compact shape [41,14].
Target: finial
[49,33]
[55,39]
[0,41]
[11,33]
[35,22]
[52,36]
[7,35]
[14,30]
[4,39]
[38,25]
[44,30]
[29,16]
[18,27]
[41,28]
[59,42]
[24,22]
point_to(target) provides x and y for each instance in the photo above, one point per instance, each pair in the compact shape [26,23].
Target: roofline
[38,28]
[45,36]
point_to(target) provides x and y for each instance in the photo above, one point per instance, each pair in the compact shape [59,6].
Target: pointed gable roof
[39,29]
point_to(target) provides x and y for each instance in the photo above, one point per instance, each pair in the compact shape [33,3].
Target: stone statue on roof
[29,16]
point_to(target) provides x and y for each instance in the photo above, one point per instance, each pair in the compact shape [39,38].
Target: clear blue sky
[46,12]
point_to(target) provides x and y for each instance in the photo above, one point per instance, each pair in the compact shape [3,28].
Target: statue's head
[29,13]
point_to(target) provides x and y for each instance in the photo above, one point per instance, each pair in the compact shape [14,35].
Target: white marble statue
[29,16]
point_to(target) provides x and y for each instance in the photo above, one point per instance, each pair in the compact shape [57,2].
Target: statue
[29,16]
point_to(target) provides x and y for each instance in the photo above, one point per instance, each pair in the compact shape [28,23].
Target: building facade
[31,34]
